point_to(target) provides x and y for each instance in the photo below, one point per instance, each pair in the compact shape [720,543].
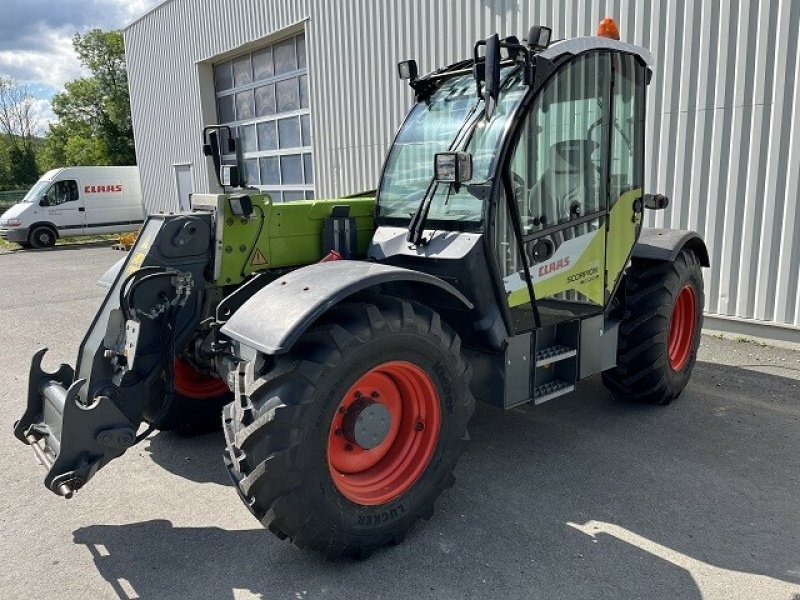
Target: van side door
[64,207]
[107,206]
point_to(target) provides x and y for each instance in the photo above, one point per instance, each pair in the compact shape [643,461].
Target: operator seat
[568,186]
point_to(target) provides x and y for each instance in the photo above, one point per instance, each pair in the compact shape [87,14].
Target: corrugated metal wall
[722,130]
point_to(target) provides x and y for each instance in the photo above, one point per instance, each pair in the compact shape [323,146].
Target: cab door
[558,182]
[626,164]
[65,208]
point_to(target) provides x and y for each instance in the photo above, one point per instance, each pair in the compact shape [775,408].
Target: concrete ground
[583,497]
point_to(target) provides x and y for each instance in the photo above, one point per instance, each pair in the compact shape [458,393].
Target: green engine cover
[276,235]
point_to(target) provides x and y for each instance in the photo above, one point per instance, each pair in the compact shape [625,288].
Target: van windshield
[37,191]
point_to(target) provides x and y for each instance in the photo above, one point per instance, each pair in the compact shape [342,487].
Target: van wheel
[42,236]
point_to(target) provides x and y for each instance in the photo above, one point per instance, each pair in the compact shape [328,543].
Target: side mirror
[453,167]
[492,74]
[44,201]
[656,201]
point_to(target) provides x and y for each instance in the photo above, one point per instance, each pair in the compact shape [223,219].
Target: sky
[36,41]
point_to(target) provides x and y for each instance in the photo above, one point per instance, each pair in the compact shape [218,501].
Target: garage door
[263,96]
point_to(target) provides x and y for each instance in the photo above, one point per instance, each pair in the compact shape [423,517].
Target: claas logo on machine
[103,189]
[556,265]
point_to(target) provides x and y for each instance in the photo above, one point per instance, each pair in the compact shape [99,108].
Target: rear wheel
[660,330]
[196,404]
[42,236]
[345,442]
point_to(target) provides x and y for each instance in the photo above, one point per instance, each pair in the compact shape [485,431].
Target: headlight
[10,223]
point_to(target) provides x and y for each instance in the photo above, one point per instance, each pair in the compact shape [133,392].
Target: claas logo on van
[102,189]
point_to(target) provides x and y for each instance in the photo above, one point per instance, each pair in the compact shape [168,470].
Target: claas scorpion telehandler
[342,343]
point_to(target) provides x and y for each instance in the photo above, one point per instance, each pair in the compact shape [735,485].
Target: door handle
[81,209]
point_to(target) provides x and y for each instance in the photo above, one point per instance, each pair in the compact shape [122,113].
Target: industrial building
[311,88]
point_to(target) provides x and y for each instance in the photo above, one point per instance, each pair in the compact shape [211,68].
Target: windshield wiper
[416,227]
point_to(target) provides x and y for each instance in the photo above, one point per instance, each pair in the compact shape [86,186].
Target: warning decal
[258,259]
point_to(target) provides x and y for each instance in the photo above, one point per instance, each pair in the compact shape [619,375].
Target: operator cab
[540,205]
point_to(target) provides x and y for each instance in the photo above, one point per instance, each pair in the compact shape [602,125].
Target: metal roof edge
[146,14]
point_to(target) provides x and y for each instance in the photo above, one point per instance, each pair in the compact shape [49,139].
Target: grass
[746,340]
[68,241]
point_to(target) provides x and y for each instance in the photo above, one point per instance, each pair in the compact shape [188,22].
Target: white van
[75,201]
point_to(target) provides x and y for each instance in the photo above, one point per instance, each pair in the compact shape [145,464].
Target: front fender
[275,317]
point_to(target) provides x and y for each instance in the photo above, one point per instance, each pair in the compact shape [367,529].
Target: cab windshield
[37,191]
[432,126]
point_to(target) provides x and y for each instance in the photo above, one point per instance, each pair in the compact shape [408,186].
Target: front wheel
[42,236]
[344,443]
[660,330]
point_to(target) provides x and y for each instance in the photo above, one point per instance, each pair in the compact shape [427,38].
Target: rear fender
[273,318]
[666,244]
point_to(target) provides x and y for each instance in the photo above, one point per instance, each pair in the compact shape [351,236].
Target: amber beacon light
[608,29]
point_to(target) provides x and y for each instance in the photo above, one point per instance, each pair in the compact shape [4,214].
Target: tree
[94,114]
[17,125]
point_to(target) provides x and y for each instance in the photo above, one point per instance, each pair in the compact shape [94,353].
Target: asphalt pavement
[583,497]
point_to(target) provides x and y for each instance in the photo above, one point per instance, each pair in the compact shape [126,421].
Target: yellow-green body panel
[285,234]
[623,226]
[579,263]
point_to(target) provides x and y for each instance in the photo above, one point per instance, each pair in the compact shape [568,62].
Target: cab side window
[557,165]
[61,192]
[627,131]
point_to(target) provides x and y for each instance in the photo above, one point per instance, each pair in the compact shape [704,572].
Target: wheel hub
[366,423]
[384,433]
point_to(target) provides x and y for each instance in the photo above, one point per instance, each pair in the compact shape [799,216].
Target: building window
[263,96]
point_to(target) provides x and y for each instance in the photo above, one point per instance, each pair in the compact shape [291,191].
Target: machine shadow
[196,458]
[583,497]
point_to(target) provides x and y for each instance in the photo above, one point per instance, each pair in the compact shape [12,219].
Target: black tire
[191,416]
[196,404]
[644,372]
[277,433]
[42,236]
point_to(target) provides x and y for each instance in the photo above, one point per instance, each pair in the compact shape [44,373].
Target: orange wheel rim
[384,433]
[682,326]
[193,384]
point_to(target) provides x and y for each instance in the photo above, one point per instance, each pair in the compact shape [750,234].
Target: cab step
[547,356]
[551,389]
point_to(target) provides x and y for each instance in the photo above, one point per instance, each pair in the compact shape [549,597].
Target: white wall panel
[723,111]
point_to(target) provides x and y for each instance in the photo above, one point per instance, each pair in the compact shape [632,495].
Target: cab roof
[579,45]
